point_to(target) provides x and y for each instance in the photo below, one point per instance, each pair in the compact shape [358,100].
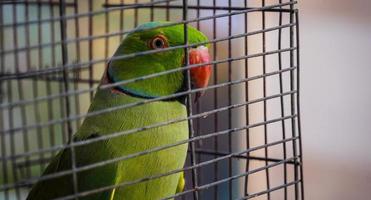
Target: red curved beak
[200,75]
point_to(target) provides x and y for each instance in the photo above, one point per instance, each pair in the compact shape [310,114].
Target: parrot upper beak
[200,75]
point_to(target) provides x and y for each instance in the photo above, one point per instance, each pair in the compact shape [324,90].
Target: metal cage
[244,139]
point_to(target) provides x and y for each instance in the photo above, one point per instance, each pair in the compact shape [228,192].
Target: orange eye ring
[158,42]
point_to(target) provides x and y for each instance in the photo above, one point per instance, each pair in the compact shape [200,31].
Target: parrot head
[147,37]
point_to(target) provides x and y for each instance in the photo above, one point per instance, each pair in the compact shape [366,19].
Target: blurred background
[336,98]
[335,44]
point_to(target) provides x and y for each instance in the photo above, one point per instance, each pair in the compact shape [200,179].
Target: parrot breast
[151,164]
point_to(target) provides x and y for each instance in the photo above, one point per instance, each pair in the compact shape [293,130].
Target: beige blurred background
[336,98]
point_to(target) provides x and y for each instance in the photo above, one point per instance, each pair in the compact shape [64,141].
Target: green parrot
[144,38]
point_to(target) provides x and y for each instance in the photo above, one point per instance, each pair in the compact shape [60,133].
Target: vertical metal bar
[230,164]
[2,136]
[265,102]
[27,32]
[283,124]
[121,20]
[11,116]
[54,63]
[78,59]
[2,55]
[35,91]
[151,11]
[198,14]
[50,116]
[247,167]
[292,86]
[215,103]
[298,103]
[49,92]
[90,32]
[167,15]
[21,97]
[106,30]
[63,24]
[136,15]
[189,103]
[198,105]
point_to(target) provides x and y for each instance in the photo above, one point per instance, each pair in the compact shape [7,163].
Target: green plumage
[139,167]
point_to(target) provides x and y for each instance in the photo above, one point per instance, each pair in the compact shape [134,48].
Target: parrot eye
[158,42]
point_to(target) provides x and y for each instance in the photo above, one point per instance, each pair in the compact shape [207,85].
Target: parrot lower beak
[200,75]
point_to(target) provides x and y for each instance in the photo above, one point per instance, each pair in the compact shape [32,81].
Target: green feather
[152,164]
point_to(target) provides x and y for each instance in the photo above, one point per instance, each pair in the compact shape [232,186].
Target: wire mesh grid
[244,133]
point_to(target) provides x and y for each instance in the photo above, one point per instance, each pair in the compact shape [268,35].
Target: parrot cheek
[200,75]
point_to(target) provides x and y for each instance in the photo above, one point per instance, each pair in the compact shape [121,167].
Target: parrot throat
[138,94]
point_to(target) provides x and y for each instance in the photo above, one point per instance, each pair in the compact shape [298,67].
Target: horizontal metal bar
[101,189]
[196,188]
[113,135]
[73,16]
[86,14]
[219,153]
[241,175]
[200,164]
[230,155]
[79,66]
[51,3]
[33,162]
[69,79]
[99,164]
[173,172]
[271,190]
[119,33]
[52,78]
[118,134]
[120,83]
[130,105]
[85,65]
[198,7]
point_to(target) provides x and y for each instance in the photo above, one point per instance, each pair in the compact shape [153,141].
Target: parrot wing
[54,187]
[63,185]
